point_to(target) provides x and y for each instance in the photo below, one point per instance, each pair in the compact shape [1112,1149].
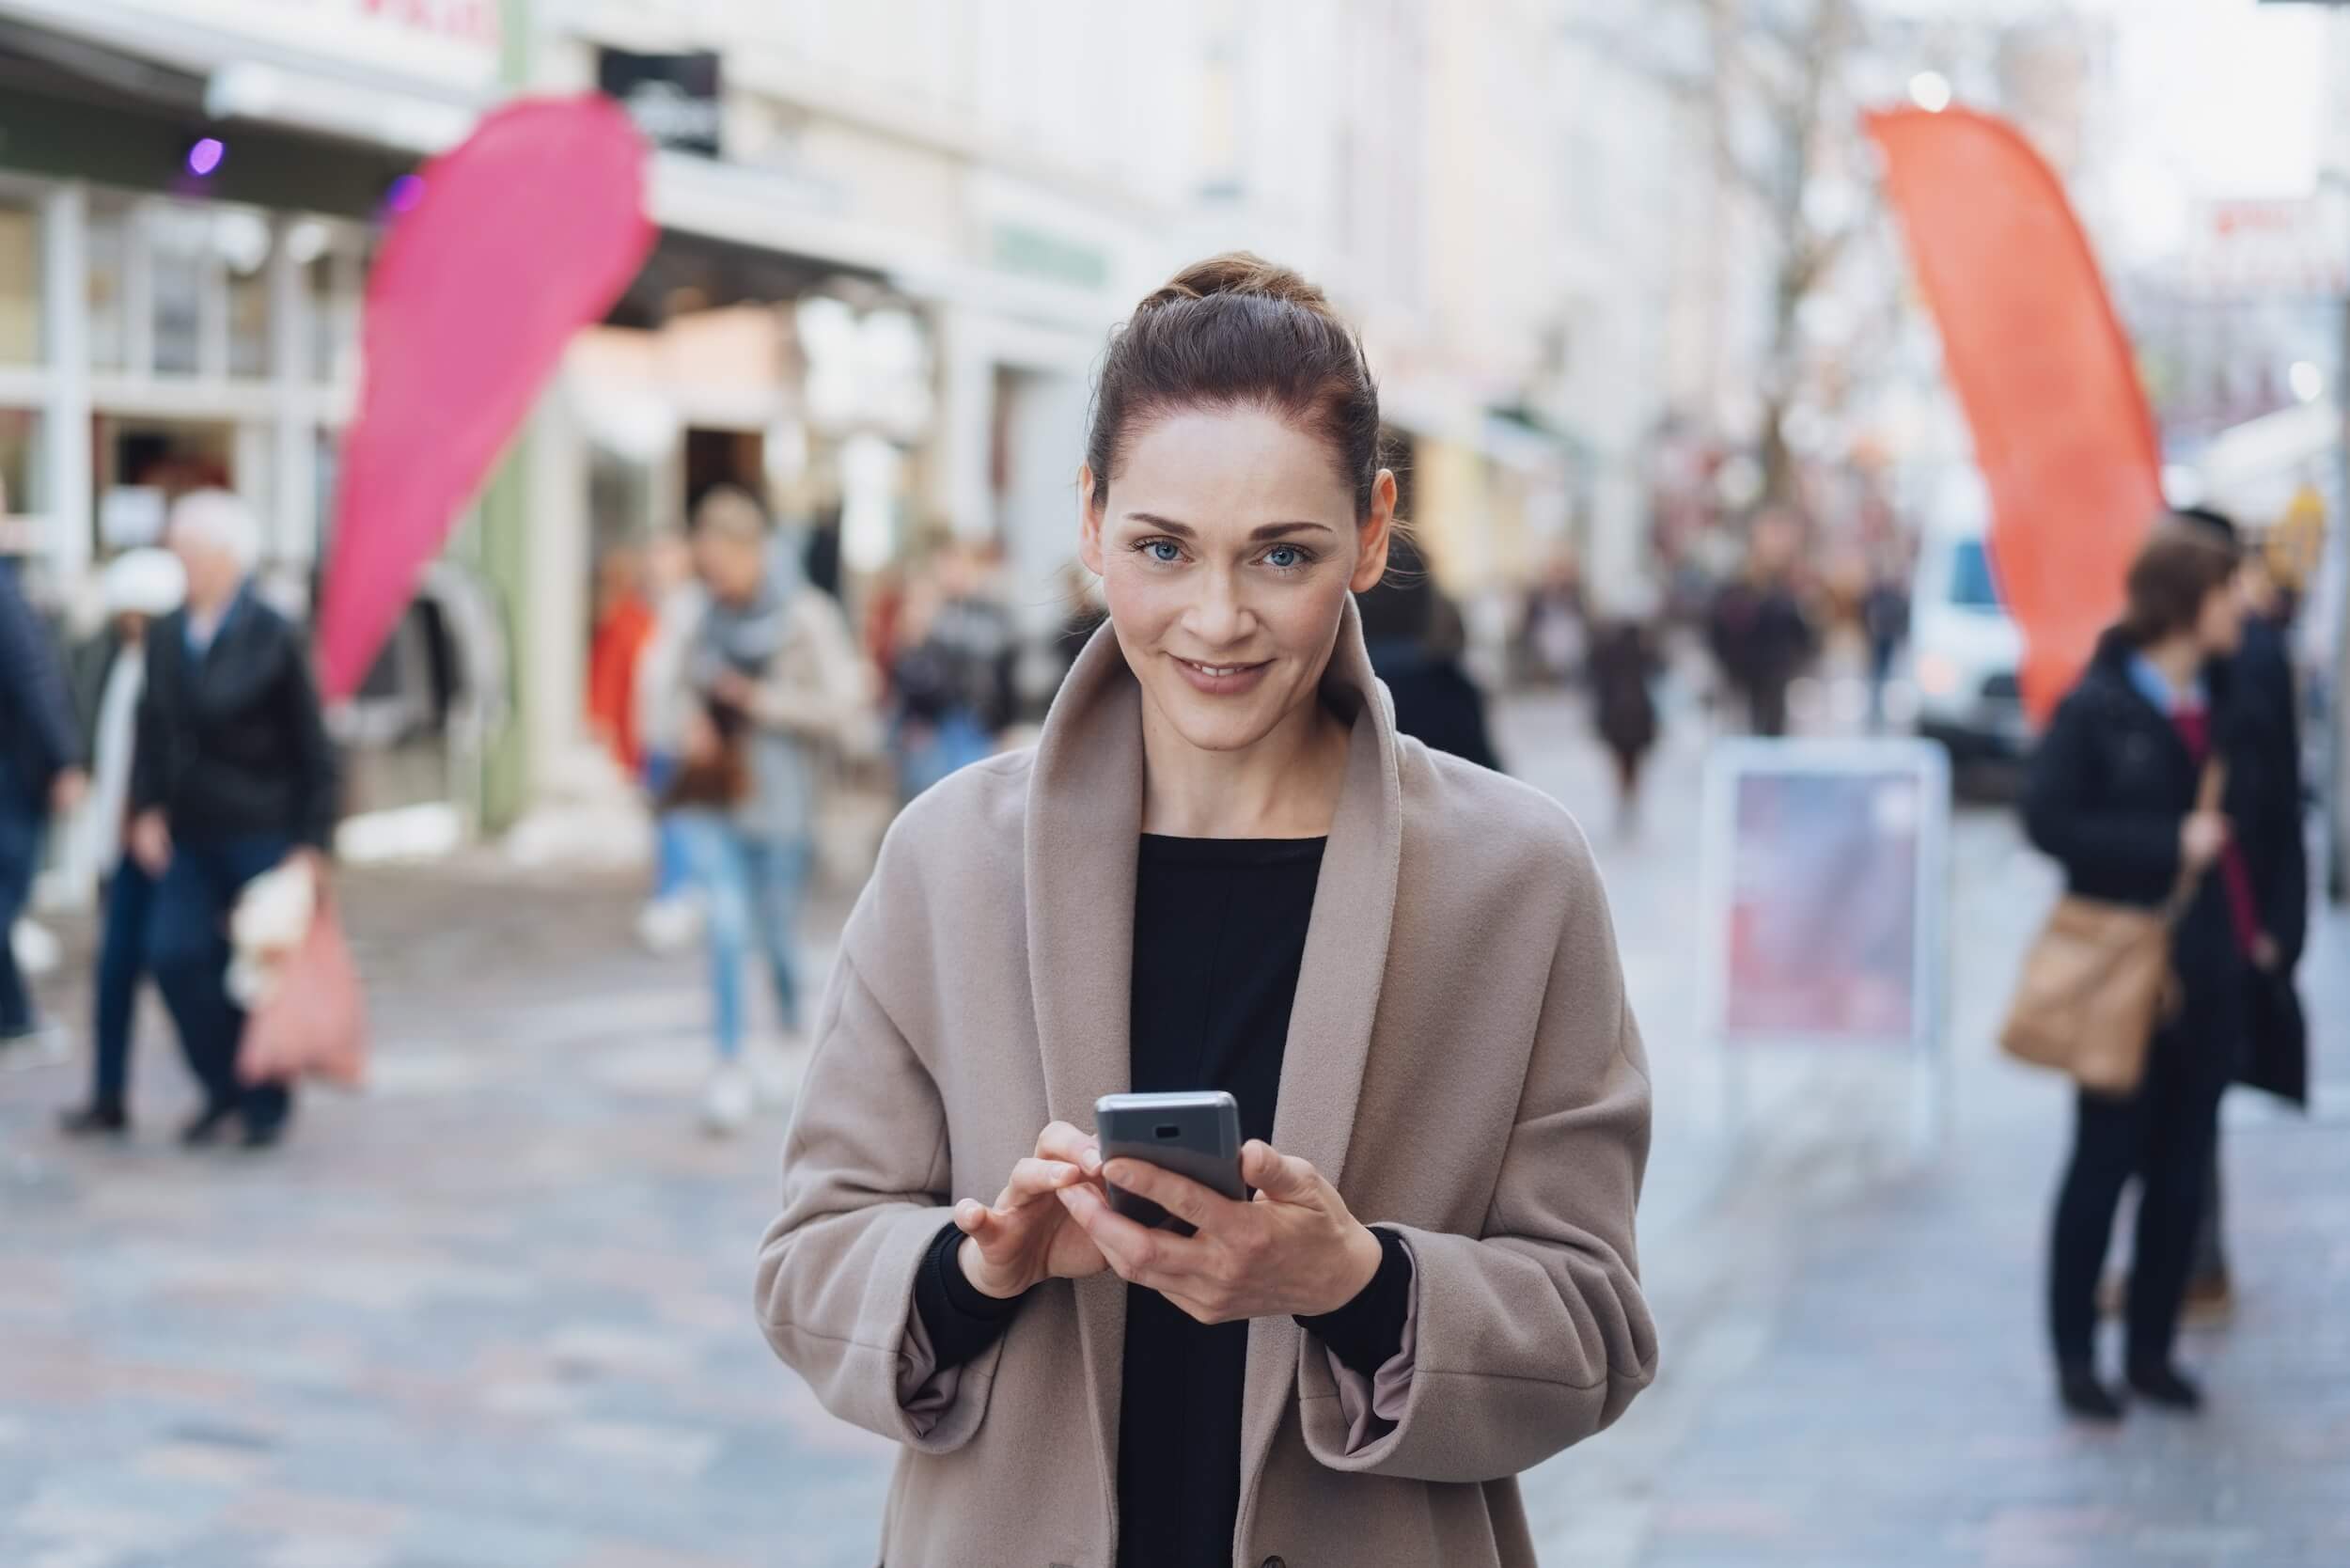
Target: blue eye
[1165,551]
[1285,557]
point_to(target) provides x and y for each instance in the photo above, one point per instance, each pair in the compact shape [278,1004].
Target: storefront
[180,287]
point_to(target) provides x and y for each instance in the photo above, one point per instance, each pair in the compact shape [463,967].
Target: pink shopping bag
[315,1022]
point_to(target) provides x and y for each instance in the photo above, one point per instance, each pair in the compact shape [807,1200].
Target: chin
[1213,726]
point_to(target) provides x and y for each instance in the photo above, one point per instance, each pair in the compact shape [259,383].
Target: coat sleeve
[865,1179]
[28,661]
[1532,1334]
[2134,849]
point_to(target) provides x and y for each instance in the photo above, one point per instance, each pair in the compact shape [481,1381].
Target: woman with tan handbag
[2128,794]
[1222,872]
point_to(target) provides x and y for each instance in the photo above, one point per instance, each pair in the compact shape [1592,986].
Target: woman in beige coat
[1222,868]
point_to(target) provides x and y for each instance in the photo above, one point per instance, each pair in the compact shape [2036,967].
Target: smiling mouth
[1215,671]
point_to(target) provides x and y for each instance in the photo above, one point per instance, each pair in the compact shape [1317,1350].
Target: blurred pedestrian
[1222,852]
[670,916]
[1404,632]
[2276,857]
[140,586]
[1760,636]
[952,680]
[41,776]
[770,678]
[1554,630]
[2113,799]
[624,624]
[1625,663]
[1885,622]
[232,775]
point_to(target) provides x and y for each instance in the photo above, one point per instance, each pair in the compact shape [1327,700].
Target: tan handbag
[2097,982]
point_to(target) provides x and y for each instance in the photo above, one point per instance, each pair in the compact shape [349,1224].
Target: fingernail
[1089,1158]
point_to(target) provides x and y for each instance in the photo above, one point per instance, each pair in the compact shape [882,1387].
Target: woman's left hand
[1293,1249]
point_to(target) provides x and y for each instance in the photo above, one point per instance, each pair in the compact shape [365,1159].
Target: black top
[231,743]
[1220,936]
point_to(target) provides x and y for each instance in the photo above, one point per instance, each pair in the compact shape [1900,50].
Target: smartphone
[1193,1133]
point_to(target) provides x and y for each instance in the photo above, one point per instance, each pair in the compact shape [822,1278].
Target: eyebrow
[1256,536]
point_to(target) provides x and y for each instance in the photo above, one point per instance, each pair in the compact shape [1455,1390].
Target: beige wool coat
[1460,1062]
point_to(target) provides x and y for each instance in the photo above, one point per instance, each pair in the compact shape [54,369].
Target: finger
[972,1219]
[1179,1195]
[1192,1308]
[1134,1252]
[1061,1142]
[1283,1178]
[1034,1178]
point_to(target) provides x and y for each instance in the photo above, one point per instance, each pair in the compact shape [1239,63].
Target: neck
[2178,657]
[1285,786]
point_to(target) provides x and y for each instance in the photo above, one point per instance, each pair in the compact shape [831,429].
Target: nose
[1218,618]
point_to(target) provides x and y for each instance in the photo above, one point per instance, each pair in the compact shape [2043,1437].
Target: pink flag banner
[510,242]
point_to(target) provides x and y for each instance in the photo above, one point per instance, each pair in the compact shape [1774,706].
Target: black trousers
[2164,1136]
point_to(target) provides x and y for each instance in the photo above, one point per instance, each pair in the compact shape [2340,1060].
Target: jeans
[21,825]
[669,872]
[752,888]
[2164,1136]
[121,964]
[188,949]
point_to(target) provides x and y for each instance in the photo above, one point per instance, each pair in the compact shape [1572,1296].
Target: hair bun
[1239,271]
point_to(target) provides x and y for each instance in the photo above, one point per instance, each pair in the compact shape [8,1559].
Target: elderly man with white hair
[233,776]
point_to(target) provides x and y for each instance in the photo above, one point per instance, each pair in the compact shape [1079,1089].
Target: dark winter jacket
[2112,783]
[231,743]
[2276,854]
[38,736]
[2274,850]
[1435,701]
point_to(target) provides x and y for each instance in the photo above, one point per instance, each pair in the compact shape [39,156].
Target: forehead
[1215,468]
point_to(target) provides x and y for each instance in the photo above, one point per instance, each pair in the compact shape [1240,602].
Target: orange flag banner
[2062,433]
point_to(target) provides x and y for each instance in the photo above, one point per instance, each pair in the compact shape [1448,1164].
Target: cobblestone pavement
[494,1312]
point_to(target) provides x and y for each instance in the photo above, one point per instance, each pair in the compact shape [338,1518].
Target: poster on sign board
[1825,880]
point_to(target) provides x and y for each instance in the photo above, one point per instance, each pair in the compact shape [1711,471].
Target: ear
[1088,521]
[1373,534]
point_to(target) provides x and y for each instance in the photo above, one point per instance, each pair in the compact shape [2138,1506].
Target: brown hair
[1237,331]
[2180,565]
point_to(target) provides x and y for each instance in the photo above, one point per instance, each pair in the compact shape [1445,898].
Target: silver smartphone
[1193,1133]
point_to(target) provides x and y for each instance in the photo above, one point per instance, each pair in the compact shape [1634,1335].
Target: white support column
[65,419]
[294,446]
[551,666]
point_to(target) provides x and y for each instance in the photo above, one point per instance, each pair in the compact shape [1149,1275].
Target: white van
[1964,649]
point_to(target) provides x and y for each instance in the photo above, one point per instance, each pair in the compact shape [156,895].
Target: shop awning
[149,54]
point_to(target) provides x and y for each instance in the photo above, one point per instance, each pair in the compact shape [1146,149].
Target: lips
[1222,680]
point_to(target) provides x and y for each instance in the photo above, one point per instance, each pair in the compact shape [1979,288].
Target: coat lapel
[1338,998]
[1082,830]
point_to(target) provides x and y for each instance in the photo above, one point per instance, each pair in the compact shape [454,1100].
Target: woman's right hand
[1027,1237]
[2202,838]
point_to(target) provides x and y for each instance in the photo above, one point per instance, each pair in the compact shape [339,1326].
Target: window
[24,481]
[19,284]
[1973,586]
[107,244]
[182,248]
[242,241]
